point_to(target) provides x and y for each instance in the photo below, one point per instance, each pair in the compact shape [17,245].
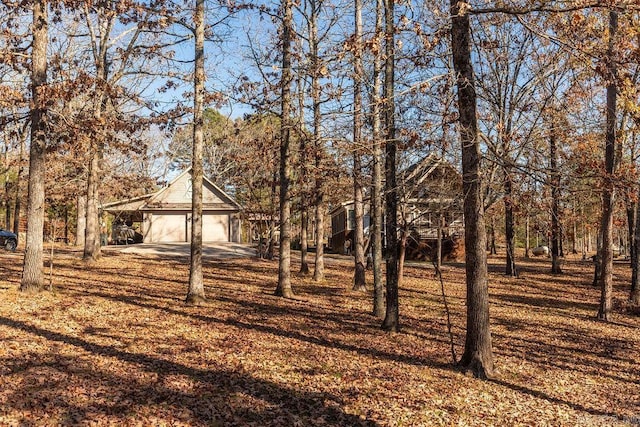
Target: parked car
[8,240]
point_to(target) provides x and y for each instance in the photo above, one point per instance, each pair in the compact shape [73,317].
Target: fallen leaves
[115,345]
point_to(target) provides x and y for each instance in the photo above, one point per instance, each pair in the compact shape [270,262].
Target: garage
[165,216]
[215,228]
[168,227]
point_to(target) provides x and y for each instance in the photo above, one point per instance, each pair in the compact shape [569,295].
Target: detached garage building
[165,216]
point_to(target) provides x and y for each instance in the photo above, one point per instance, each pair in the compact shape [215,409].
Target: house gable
[177,195]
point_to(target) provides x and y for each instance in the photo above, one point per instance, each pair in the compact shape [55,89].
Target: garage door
[215,228]
[169,228]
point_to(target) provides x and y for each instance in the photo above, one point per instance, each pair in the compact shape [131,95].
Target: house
[165,216]
[343,221]
[429,198]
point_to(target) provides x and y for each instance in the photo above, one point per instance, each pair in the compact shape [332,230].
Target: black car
[8,240]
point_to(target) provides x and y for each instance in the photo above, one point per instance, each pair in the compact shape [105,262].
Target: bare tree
[376,187]
[284,263]
[32,275]
[359,280]
[392,318]
[320,196]
[478,352]
[195,293]
[608,195]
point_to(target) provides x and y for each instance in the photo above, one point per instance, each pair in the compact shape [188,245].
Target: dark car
[8,240]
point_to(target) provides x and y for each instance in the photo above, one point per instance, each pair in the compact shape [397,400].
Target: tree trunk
[478,353]
[7,186]
[284,263]
[318,269]
[509,231]
[376,191]
[303,179]
[17,203]
[439,242]
[359,279]
[392,317]
[195,293]
[318,272]
[92,227]
[635,259]
[81,218]
[608,196]
[555,200]
[402,253]
[526,239]
[304,236]
[32,274]
[492,246]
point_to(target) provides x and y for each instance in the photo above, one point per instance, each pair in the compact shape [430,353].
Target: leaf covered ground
[114,344]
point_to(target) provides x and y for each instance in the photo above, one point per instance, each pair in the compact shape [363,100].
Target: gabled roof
[418,172]
[157,197]
[157,200]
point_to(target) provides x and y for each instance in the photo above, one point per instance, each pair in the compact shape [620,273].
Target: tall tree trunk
[284,263]
[96,147]
[526,239]
[555,199]
[92,223]
[359,279]
[402,253]
[195,293]
[304,187]
[32,275]
[608,196]
[478,352]
[392,317]
[81,218]
[439,241]
[321,208]
[376,191]
[492,244]
[304,236]
[509,231]
[17,204]
[635,259]
[7,186]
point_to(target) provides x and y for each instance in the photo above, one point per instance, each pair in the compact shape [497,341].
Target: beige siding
[179,192]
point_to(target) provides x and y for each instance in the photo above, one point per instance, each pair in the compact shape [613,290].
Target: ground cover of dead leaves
[114,344]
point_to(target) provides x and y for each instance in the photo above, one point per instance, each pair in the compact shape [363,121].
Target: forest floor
[114,344]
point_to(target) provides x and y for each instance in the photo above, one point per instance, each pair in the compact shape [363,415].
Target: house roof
[419,171]
[161,199]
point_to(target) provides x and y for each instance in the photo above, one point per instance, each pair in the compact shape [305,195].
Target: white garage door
[169,228]
[215,228]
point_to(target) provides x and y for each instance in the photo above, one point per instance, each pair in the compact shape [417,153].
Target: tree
[478,352]
[554,179]
[32,275]
[376,186]
[284,263]
[608,194]
[318,144]
[359,280]
[196,294]
[392,317]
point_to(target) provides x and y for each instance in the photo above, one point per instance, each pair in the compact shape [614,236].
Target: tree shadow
[285,405]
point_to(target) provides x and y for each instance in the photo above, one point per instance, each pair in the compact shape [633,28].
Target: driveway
[209,250]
